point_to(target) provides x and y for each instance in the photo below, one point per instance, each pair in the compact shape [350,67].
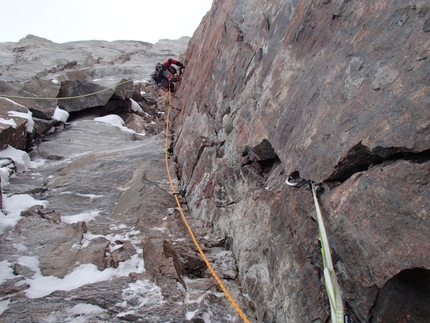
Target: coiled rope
[64,98]
[193,237]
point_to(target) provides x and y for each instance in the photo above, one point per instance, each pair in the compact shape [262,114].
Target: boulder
[13,131]
[77,92]
[45,91]
[53,242]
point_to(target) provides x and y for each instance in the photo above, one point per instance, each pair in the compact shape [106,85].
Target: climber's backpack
[156,76]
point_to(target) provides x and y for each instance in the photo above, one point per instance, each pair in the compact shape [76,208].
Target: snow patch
[4,305]
[60,115]
[13,206]
[41,286]
[158,229]
[20,158]
[114,120]
[118,226]
[20,247]
[190,315]
[6,170]
[85,216]
[135,106]
[6,271]
[139,294]
[29,116]
[10,122]
[83,309]
[90,196]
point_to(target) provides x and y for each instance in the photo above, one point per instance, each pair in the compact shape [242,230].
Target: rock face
[116,221]
[336,92]
[330,92]
[43,59]
[117,72]
[103,240]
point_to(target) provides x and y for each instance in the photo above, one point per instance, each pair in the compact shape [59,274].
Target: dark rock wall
[338,92]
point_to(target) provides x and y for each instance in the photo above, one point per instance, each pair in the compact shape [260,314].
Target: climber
[165,74]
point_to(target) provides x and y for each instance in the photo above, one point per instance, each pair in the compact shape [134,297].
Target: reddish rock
[46,90]
[11,135]
[338,92]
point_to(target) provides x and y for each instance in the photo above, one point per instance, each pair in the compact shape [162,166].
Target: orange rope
[214,275]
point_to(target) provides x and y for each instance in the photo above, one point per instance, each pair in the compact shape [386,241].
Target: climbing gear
[295,181]
[190,231]
[160,67]
[330,280]
[347,318]
[154,76]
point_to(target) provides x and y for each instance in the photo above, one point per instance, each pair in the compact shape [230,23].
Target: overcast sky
[70,20]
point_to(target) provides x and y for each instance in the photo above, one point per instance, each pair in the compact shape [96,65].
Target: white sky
[72,20]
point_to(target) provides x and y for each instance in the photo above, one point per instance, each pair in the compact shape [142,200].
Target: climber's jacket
[171,61]
[165,74]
